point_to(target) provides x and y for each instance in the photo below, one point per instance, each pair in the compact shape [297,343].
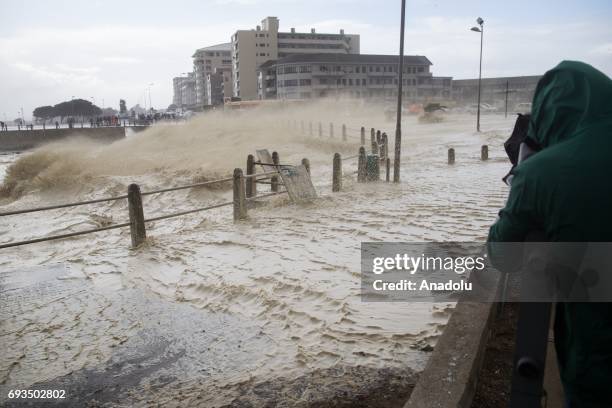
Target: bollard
[388,165]
[363,136]
[451,156]
[320,129]
[385,141]
[240,209]
[343,132]
[484,152]
[378,140]
[251,186]
[372,134]
[274,179]
[310,128]
[337,173]
[306,163]
[361,165]
[372,168]
[331,130]
[138,231]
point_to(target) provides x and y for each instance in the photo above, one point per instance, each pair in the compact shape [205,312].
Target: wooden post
[337,173]
[320,129]
[343,132]
[240,208]
[385,141]
[251,186]
[361,165]
[310,128]
[331,130]
[484,152]
[372,135]
[138,231]
[451,156]
[274,179]
[306,164]
[381,155]
[363,136]
[378,140]
[374,147]
[388,165]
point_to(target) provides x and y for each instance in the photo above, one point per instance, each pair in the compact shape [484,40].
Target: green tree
[44,112]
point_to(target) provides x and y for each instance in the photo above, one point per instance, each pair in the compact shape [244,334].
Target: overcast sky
[107,50]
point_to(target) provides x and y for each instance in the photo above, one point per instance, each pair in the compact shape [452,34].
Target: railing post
[331,130]
[343,132]
[484,152]
[251,186]
[385,141]
[337,173]
[361,165]
[274,179]
[240,209]
[138,230]
[320,129]
[451,156]
[388,165]
[306,164]
[363,136]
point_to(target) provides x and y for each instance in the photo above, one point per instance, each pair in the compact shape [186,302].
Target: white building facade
[205,61]
[358,76]
[252,48]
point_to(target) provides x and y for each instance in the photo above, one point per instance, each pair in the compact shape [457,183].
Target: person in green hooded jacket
[565,190]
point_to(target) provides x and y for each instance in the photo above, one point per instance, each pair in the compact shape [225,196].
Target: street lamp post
[398,125]
[480,30]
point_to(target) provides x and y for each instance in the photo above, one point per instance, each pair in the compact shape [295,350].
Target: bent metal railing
[136,215]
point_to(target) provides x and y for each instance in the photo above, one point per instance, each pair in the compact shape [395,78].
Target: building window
[421,69]
[377,68]
[305,82]
[323,81]
[363,82]
[357,70]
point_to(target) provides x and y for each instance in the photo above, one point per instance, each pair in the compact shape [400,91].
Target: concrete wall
[27,139]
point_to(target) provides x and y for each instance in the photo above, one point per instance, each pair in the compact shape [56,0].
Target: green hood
[569,99]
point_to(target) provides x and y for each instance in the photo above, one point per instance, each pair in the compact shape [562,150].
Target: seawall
[27,139]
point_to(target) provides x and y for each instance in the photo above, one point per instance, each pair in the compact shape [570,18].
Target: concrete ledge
[27,139]
[451,374]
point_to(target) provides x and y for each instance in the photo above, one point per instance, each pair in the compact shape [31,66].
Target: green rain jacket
[565,190]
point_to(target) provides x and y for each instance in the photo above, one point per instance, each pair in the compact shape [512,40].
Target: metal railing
[137,221]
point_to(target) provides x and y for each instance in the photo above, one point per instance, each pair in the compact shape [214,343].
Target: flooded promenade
[215,313]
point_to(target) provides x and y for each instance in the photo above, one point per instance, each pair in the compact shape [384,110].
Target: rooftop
[217,47]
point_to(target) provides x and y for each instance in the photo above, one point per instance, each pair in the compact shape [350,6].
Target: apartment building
[205,61]
[305,76]
[184,91]
[218,86]
[252,48]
